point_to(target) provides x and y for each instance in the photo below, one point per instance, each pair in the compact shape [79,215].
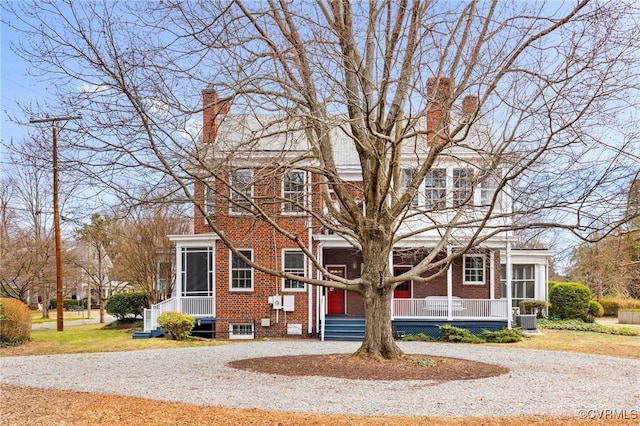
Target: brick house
[230,299]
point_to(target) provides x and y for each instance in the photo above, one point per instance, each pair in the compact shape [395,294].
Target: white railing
[197,306]
[460,308]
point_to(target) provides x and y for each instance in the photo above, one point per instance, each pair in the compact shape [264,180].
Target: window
[241,273]
[240,331]
[293,191]
[241,191]
[165,274]
[435,183]
[473,269]
[407,177]
[488,189]
[523,283]
[293,264]
[197,271]
[461,186]
[209,201]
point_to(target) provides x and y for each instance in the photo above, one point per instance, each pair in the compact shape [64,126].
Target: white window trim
[209,205]
[242,336]
[284,197]
[464,269]
[231,288]
[304,272]
[443,201]
[232,206]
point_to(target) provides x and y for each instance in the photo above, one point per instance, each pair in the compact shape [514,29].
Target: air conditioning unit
[276,301]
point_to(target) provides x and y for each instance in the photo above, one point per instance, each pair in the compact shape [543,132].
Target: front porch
[198,306]
[450,308]
[426,315]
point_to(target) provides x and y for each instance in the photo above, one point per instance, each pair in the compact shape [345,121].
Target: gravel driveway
[539,382]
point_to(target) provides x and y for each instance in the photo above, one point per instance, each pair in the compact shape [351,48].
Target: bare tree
[145,254]
[551,86]
[101,238]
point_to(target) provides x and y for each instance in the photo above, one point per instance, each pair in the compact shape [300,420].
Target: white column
[508,279]
[449,287]
[492,277]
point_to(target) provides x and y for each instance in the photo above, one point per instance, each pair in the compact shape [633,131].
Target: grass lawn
[582,342]
[93,338]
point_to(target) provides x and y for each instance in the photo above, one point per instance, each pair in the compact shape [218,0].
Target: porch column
[449,288]
[492,275]
[179,273]
[508,279]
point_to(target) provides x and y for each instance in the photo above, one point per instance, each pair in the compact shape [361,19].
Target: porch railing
[200,306]
[425,308]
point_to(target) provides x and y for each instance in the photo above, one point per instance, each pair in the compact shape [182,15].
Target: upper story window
[241,191]
[293,264]
[435,183]
[473,269]
[293,192]
[407,177]
[241,273]
[462,190]
[209,200]
[488,188]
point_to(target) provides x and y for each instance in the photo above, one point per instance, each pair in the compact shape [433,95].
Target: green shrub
[122,305]
[503,336]
[595,310]
[15,322]
[579,325]
[532,307]
[66,303]
[569,300]
[612,305]
[177,324]
[449,333]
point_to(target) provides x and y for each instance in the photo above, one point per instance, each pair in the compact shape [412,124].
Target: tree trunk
[377,295]
[378,337]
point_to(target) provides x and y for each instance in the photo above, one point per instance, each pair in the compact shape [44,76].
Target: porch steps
[344,328]
[158,332]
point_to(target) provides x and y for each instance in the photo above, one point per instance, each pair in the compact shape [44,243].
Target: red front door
[403,291]
[336,298]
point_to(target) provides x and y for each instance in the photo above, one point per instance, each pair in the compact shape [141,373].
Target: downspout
[309,287]
[509,274]
[449,287]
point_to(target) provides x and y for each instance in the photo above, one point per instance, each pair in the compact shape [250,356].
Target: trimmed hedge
[177,324]
[612,305]
[123,305]
[579,325]
[15,322]
[530,306]
[569,300]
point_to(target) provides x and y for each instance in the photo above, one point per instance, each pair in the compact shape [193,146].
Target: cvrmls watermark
[609,414]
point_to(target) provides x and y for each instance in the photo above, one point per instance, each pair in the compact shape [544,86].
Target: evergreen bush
[123,305]
[177,324]
[595,310]
[15,321]
[569,300]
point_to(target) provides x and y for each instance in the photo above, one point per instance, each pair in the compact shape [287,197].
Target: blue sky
[15,85]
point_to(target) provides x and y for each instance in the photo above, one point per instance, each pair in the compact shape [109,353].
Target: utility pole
[56,215]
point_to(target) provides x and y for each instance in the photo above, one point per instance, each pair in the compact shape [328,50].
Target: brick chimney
[469,104]
[213,110]
[438,90]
